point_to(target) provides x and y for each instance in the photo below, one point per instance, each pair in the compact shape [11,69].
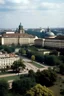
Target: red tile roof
[16,35]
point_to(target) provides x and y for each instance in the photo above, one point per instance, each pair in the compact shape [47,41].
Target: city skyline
[31,13]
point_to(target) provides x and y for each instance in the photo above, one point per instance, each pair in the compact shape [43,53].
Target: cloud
[19,1]
[28,5]
[14,1]
[47,5]
[32,13]
[2,2]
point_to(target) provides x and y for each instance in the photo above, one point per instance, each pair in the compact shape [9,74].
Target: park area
[9,75]
[58,87]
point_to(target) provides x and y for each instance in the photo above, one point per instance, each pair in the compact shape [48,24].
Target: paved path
[28,66]
[7,75]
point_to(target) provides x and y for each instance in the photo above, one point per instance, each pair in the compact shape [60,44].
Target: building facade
[4,62]
[16,38]
[23,38]
[53,43]
[7,59]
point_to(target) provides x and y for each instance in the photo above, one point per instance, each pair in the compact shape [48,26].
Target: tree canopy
[17,65]
[39,90]
[61,67]
[32,57]
[46,77]
[3,88]
[22,85]
[22,51]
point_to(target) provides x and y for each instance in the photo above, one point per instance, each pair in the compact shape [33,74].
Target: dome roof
[50,34]
[42,30]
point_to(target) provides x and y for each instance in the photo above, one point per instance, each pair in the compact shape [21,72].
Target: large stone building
[16,38]
[4,62]
[57,42]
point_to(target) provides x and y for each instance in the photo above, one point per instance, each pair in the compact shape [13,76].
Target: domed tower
[21,30]
[49,34]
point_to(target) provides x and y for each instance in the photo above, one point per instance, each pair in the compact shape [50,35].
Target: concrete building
[19,37]
[7,60]
[8,39]
[50,42]
[54,43]
[39,42]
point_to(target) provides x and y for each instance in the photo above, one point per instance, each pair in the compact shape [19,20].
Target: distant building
[10,32]
[21,30]
[50,40]
[57,42]
[54,43]
[39,42]
[19,37]
[41,33]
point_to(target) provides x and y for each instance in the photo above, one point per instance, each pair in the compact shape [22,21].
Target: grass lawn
[37,65]
[3,73]
[59,84]
[10,78]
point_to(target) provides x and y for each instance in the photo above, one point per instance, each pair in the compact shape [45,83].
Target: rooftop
[60,37]
[16,35]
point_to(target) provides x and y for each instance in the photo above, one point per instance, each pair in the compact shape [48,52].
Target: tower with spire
[21,30]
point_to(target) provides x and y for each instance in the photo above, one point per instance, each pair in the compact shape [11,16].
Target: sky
[31,13]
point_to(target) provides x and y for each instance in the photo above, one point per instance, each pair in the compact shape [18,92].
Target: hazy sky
[31,13]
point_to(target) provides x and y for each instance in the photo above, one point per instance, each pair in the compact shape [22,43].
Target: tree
[31,74]
[22,85]
[61,67]
[8,49]
[61,58]
[50,60]
[62,92]
[46,77]
[3,88]
[17,65]
[54,52]
[39,90]
[22,51]
[32,57]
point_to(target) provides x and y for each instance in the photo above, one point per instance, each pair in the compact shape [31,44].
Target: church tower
[21,30]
